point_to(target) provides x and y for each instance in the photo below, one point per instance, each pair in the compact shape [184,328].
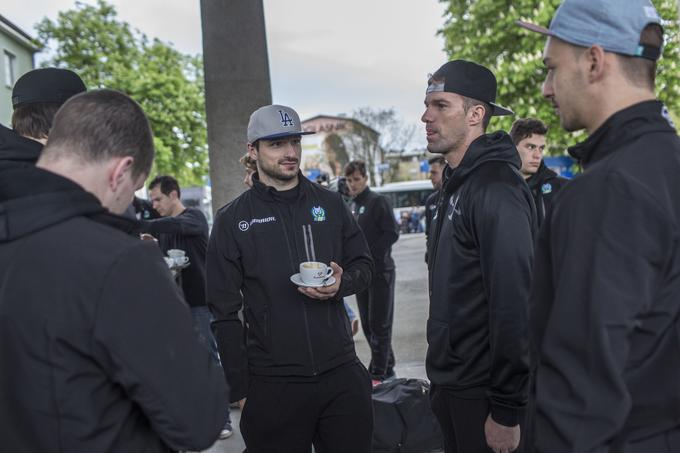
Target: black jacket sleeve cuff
[505,416]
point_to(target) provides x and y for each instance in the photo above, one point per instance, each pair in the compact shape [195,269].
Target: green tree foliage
[107,53]
[484,31]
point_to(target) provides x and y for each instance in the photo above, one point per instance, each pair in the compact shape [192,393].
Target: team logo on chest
[362,210]
[319,214]
[454,207]
[546,188]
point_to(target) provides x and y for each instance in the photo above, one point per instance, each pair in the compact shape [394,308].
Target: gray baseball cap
[274,121]
[614,25]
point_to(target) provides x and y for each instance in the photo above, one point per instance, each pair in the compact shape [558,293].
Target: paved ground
[409,341]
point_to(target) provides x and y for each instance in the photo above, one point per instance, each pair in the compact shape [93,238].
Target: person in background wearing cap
[375,216]
[480,255]
[297,365]
[528,135]
[36,97]
[605,311]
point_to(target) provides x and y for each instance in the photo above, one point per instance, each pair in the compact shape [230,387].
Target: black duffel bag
[403,421]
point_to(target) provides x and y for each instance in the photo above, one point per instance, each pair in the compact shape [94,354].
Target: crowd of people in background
[554,304]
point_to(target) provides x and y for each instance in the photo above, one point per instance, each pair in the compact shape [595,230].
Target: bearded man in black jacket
[97,349]
[529,136]
[296,364]
[605,311]
[480,255]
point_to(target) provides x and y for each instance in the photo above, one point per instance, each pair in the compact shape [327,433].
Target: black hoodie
[605,303]
[257,243]
[97,349]
[18,149]
[480,257]
[544,185]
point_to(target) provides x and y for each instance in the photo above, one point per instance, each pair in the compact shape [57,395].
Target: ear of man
[119,168]
[476,115]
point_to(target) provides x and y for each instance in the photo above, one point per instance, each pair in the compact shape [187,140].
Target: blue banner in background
[562,165]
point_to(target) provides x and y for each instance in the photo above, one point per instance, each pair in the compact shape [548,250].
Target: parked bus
[408,200]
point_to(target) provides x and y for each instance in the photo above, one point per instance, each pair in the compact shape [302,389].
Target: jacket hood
[628,124]
[495,147]
[32,199]
[542,175]
[14,147]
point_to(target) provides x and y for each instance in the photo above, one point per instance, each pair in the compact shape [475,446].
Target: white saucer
[295,278]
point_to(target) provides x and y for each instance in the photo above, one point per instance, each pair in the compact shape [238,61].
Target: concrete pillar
[236,83]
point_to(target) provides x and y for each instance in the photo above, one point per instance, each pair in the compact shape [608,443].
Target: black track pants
[462,422]
[376,310]
[334,413]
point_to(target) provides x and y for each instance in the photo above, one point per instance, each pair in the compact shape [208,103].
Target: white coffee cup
[174,253]
[169,261]
[314,273]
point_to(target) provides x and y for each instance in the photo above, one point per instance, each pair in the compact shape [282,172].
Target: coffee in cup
[314,273]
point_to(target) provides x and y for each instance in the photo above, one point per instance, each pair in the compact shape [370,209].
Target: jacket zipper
[443,199]
[304,306]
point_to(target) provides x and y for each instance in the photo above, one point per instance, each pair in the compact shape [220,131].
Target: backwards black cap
[46,85]
[470,80]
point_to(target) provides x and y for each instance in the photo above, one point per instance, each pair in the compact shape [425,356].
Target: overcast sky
[326,56]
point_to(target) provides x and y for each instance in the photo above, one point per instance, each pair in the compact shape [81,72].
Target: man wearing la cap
[36,97]
[296,372]
[604,304]
[480,255]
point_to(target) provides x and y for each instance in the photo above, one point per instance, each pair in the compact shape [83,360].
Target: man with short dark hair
[296,362]
[376,304]
[185,229]
[529,136]
[437,165]
[36,97]
[605,312]
[97,352]
[480,257]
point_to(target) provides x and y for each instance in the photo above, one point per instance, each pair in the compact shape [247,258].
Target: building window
[10,69]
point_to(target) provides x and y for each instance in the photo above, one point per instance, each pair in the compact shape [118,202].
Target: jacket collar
[32,199]
[14,147]
[495,147]
[269,193]
[621,128]
[542,174]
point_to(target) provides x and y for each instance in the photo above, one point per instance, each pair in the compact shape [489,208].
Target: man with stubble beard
[480,256]
[604,303]
[296,373]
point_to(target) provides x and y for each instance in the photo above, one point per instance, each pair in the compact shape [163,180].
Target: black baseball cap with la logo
[274,121]
[470,80]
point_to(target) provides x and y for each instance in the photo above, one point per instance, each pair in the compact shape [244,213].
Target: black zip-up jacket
[97,349]
[376,219]
[187,231]
[605,304]
[17,149]
[481,251]
[544,185]
[257,243]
